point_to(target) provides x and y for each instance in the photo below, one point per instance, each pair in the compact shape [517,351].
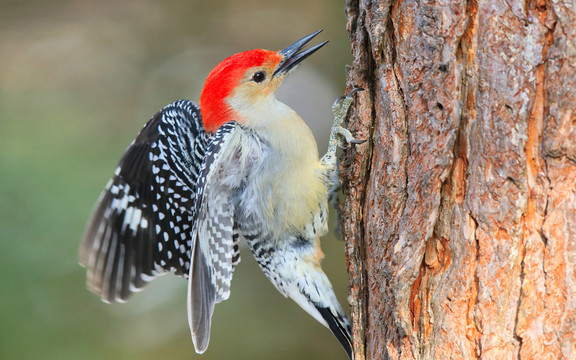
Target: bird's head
[246,79]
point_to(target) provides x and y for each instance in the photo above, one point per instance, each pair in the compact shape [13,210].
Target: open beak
[292,56]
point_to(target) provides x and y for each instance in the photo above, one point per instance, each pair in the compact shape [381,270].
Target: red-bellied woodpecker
[197,179]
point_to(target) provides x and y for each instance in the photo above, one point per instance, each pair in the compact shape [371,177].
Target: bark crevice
[468,213]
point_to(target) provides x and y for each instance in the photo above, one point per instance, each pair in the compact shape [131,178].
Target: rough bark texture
[460,210]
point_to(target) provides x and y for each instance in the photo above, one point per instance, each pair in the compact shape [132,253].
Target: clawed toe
[354,90]
[342,103]
[341,136]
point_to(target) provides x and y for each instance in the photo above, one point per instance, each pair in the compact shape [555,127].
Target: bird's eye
[259,76]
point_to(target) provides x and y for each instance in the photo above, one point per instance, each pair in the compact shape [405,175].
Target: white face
[257,83]
[257,88]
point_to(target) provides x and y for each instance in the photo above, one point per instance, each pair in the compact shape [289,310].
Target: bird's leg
[340,136]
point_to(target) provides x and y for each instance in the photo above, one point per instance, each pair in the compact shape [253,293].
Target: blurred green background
[78,79]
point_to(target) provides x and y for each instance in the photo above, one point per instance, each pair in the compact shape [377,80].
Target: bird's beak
[292,56]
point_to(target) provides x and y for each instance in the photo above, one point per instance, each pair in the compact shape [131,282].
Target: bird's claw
[339,135]
[342,103]
[357,141]
[343,136]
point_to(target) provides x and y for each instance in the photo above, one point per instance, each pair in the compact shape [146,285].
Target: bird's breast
[285,187]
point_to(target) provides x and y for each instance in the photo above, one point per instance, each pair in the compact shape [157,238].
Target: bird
[200,177]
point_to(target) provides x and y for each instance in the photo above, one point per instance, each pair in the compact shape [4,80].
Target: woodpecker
[198,178]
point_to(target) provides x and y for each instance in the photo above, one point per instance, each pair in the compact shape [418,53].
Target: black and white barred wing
[142,224]
[216,249]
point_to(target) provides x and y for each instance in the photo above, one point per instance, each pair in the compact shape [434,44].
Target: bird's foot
[339,135]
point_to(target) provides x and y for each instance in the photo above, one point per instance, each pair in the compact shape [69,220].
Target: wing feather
[216,238]
[170,207]
[141,226]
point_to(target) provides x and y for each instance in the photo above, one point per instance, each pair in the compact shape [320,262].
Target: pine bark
[460,209]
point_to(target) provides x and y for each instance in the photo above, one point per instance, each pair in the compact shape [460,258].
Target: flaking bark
[460,210]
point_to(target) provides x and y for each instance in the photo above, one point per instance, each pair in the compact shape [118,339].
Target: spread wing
[215,250]
[142,224]
[169,207]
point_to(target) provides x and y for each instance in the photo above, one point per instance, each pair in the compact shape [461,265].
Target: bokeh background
[78,79]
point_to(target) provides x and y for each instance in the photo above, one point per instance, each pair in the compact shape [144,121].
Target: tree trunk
[460,210]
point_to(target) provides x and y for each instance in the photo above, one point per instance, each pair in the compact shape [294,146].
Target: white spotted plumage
[137,215]
[151,215]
